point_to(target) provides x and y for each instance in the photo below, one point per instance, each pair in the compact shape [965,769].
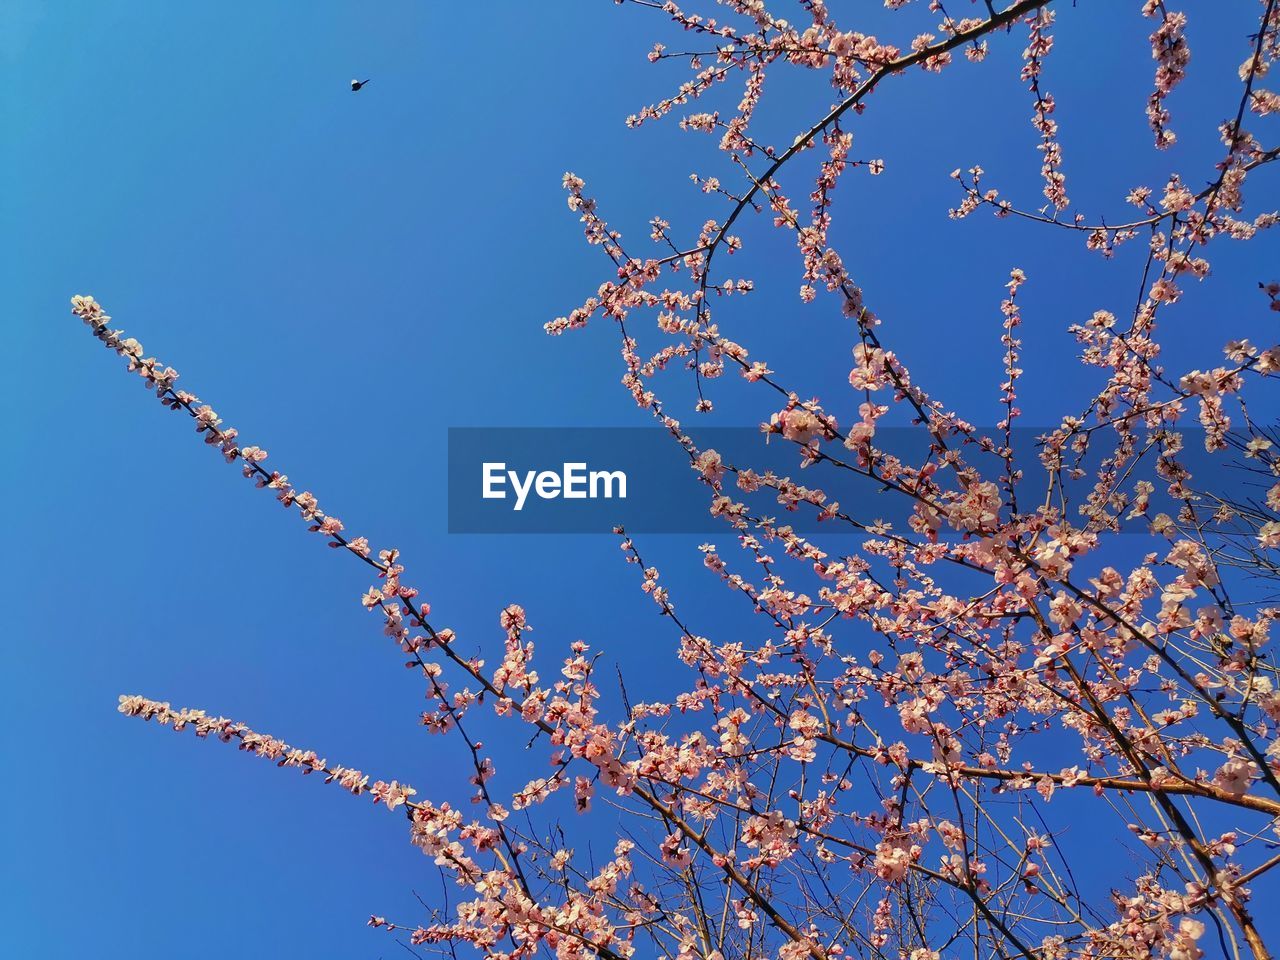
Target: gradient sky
[346,276]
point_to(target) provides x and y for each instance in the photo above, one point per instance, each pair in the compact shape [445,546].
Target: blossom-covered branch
[886,764]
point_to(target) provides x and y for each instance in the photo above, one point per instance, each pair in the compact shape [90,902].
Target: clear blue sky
[346,276]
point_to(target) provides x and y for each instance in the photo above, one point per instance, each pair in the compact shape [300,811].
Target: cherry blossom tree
[873,771]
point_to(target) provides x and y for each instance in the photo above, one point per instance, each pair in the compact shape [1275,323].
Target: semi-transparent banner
[591,480]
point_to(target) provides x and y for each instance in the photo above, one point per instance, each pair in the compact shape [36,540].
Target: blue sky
[344,277]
